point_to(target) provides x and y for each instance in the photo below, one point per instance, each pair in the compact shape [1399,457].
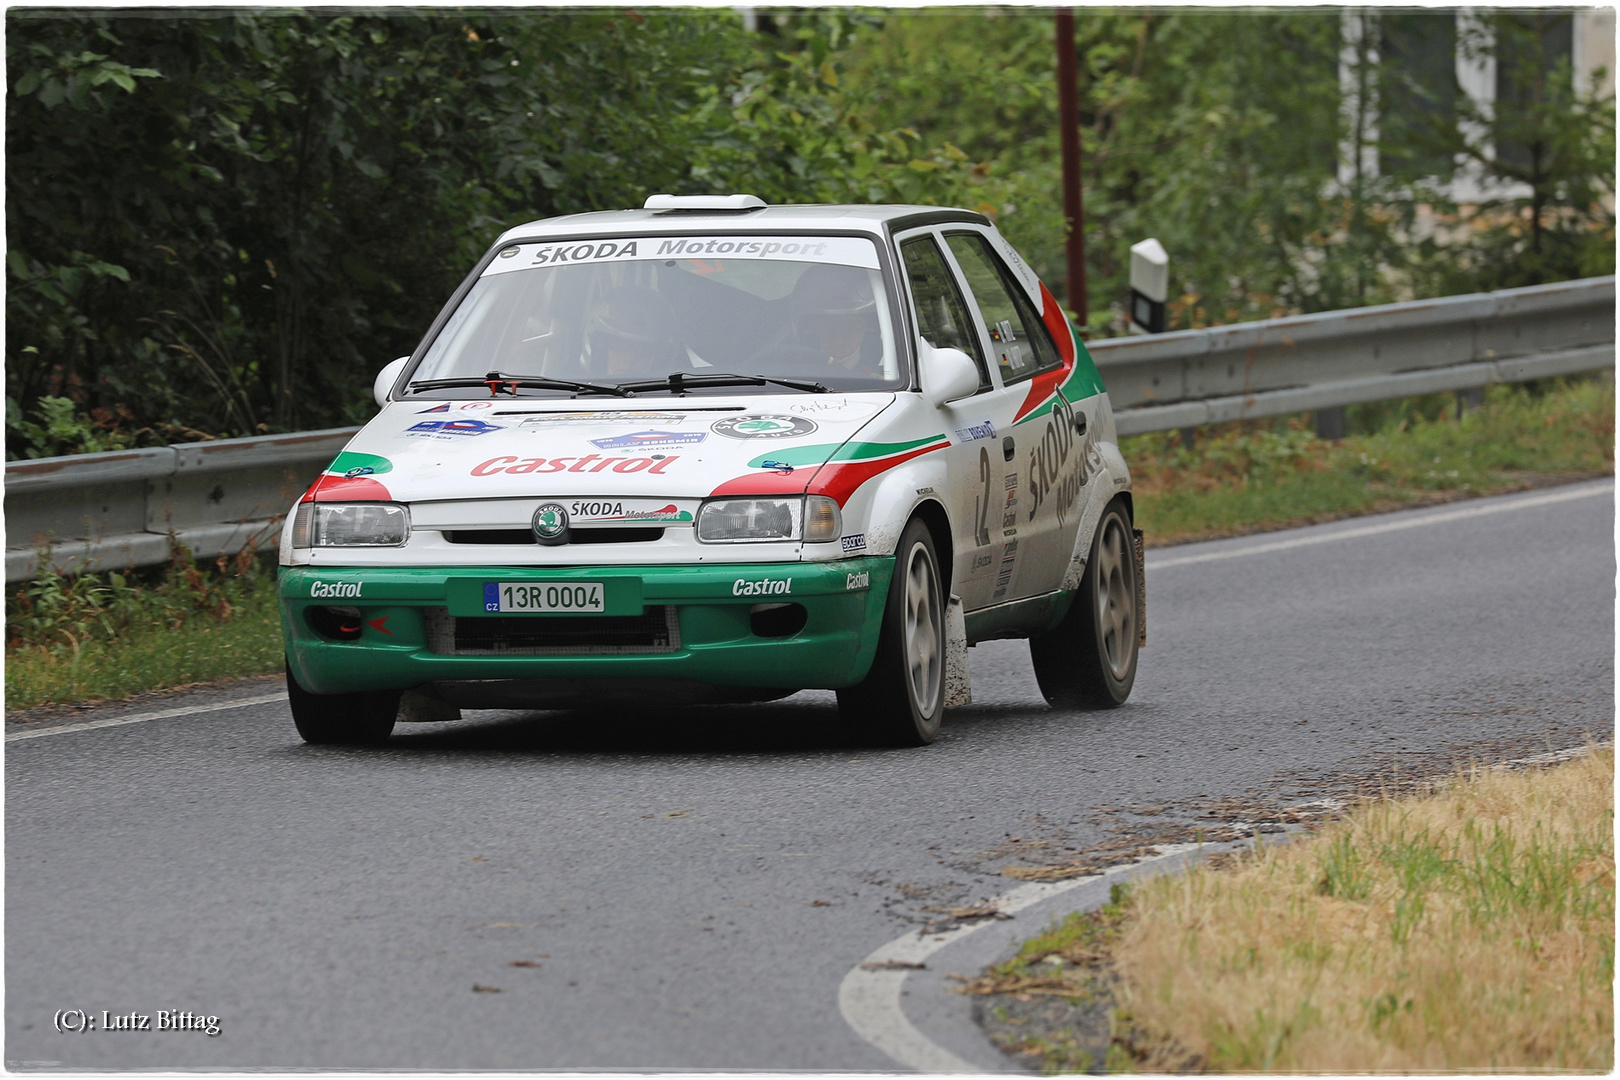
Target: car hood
[417,451]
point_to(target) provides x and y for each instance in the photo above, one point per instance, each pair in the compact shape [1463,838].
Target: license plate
[581,597]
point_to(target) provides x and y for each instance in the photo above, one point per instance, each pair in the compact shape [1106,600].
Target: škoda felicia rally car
[717,451]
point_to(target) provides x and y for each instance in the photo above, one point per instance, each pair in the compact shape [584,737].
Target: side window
[1021,341]
[942,317]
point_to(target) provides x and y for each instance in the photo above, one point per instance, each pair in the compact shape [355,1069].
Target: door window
[1021,342]
[942,317]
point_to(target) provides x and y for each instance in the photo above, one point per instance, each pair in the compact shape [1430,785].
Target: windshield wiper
[499,383]
[679,382]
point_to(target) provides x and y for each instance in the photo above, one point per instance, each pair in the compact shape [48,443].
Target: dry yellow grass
[1470,929]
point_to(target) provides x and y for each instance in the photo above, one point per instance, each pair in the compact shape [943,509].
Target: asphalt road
[691,887]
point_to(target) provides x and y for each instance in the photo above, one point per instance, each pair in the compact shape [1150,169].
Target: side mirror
[948,374]
[385,380]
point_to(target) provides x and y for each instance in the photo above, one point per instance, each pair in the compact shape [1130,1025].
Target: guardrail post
[1331,423]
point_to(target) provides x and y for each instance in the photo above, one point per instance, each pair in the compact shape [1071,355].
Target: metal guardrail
[108,511]
[1307,362]
[112,510]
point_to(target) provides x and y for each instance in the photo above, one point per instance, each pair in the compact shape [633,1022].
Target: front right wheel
[901,702]
[364,718]
[1088,661]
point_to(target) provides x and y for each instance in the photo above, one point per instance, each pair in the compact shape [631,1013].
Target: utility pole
[1069,121]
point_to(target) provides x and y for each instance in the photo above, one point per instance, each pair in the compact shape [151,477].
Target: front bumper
[397,643]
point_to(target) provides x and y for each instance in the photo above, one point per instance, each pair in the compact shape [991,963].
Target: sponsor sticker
[626,510]
[768,587]
[763,426]
[862,580]
[984,429]
[649,437]
[437,408]
[1004,573]
[852,543]
[654,464]
[448,429]
[845,250]
[607,416]
[329,590]
[474,406]
[818,405]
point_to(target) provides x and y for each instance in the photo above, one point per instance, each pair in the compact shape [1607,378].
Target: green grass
[109,636]
[1260,475]
[1467,928]
[1470,928]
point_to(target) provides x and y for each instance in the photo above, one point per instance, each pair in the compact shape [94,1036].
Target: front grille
[656,630]
[616,535]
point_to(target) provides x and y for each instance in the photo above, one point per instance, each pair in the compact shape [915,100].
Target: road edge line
[1437,518]
[140,718]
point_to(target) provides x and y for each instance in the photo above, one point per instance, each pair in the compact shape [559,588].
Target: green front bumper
[717,646]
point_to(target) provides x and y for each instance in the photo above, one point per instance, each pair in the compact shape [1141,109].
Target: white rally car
[717,451]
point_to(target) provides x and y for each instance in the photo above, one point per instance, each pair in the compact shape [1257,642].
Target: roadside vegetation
[225,224]
[96,636]
[1260,475]
[1471,928]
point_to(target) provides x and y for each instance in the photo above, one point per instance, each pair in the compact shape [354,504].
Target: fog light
[334,623]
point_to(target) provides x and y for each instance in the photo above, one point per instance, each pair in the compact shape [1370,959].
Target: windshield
[633,309]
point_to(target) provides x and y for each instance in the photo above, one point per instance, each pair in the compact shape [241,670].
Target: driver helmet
[833,290]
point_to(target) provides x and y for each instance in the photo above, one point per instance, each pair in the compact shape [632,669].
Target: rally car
[712,450]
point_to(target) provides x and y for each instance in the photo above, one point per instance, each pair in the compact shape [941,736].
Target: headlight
[350,525]
[732,521]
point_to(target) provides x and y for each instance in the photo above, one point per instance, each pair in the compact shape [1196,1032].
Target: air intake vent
[656,630]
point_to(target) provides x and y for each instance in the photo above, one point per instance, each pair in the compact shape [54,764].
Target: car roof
[876,220]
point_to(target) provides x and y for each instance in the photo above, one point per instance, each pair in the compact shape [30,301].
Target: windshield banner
[842,250]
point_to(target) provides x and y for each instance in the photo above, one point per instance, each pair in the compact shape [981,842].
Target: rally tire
[901,702]
[1088,661]
[365,718]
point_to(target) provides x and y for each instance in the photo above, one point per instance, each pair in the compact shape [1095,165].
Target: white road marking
[141,718]
[870,999]
[1388,526]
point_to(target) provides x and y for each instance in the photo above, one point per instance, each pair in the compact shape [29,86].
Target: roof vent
[704,204]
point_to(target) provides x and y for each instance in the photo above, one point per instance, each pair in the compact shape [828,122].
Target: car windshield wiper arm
[499,383]
[679,382]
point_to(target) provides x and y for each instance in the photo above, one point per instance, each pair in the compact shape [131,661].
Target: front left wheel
[901,702]
[364,718]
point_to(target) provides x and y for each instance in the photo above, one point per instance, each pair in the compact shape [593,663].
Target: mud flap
[1141,589]
[958,684]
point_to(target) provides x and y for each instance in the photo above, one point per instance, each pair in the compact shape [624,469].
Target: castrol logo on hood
[505,449]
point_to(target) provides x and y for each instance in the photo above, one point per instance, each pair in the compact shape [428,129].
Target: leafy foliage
[231,221]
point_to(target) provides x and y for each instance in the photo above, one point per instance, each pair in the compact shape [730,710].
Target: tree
[228,222]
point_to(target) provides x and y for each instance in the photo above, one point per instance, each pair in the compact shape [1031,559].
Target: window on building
[1534,50]
[1417,93]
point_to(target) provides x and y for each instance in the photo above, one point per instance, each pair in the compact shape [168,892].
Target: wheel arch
[938,521]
